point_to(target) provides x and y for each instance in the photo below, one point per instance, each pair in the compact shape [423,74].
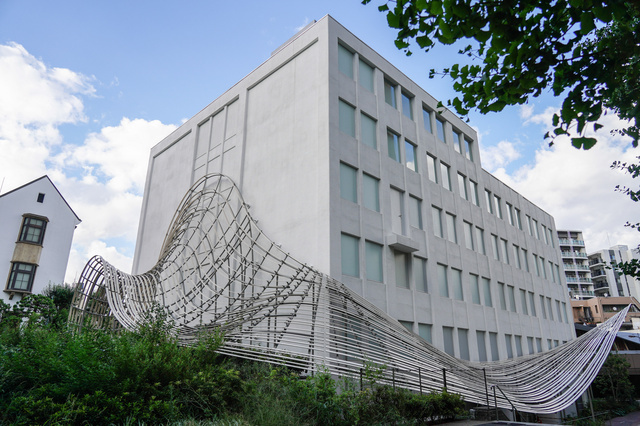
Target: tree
[613,380]
[587,51]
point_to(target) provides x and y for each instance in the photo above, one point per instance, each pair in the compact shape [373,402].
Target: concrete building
[597,310]
[607,281]
[575,264]
[352,168]
[36,230]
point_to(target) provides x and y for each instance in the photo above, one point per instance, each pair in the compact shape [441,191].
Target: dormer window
[33,230]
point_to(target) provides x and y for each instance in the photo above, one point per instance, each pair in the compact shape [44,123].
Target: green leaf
[435,7]
[583,142]
[586,22]
[602,13]
[392,20]
[597,126]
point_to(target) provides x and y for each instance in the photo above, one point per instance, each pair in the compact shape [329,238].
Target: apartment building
[606,280]
[576,265]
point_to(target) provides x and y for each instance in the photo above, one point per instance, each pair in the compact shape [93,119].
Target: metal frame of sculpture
[218,271]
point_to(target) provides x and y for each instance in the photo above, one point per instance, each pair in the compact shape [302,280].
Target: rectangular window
[529,226]
[437,221]
[366,76]
[456,275]
[420,274]
[523,302]
[402,270]
[406,105]
[489,201]
[518,219]
[426,117]
[558,311]
[447,337]
[510,214]
[451,228]
[474,193]
[535,228]
[564,312]
[482,345]
[518,345]
[390,93]
[462,186]
[468,235]
[368,131]
[539,344]
[32,230]
[498,206]
[486,292]
[558,273]
[348,183]
[494,247]
[407,324]
[463,343]
[512,298]
[532,304]
[21,277]
[468,152]
[347,119]
[516,256]
[350,254]
[525,257]
[493,341]
[475,289]
[543,308]
[480,240]
[410,155]
[424,331]
[530,345]
[553,276]
[373,259]
[345,61]
[544,233]
[398,217]
[440,129]
[444,175]
[549,309]
[458,140]
[503,303]
[535,261]
[370,192]
[443,285]
[553,244]
[544,269]
[415,212]
[505,253]
[508,343]
[393,146]
[432,166]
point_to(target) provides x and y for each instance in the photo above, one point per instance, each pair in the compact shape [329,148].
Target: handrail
[495,401]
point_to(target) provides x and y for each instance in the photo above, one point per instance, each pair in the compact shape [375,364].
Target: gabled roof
[54,187]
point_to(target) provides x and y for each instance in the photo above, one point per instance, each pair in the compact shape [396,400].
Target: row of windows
[21,276]
[534,344]
[32,231]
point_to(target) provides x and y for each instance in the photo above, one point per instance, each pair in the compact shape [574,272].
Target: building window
[390,93]
[549,309]
[482,345]
[373,259]
[444,175]
[553,276]
[564,312]
[530,345]
[475,289]
[348,183]
[516,256]
[512,298]
[451,228]
[457,142]
[486,291]
[544,233]
[366,76]
[407,324]
[525,257]
[345,61]
[553,244]
[443,285]
[426,116]
[432,166]
[370,192]
[535,261]
[437,221]
[406,105]
[415,212]
[468,235]
[508,344]
[474,193]
[347,119]
[494,247]
[462,186]
[498,206]
[489,201]
[420,274]
[480,240]
[40,198]
[518,345]
[402,270]
[493,341]
[523,301]
[505,253]
[544,269]
[535,228]
[447,337]
[32,230]
[469,149]
[424,331]
[463,343]
[543,308]
[510,214]
[532,304]
[350,254]
[368,131]
[440,129]
[410,155]
[393,146]
[518,219]
[21,277]
[456,275]
[539,344]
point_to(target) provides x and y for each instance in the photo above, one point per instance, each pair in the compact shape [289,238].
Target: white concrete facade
[33,255]
[307,137]
[607,281]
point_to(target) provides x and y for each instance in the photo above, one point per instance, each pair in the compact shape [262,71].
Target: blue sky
[87,87]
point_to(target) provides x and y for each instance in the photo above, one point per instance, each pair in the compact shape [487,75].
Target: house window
[347,119]
[345,61]
[426,116]
[393,146]
[406,106]
[368,131]
[444,175]
[33,230]
[440,129]
[415,212]
[432,166]
[390,93]
[366,76]
[348,183]
[370,192]
[410,155]
[21,277]
[40,198]
[350,253]
[373,258]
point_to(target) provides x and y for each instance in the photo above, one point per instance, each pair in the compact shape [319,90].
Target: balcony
[567,242]
[579,280]
[582,294]
[573,254]
[573,266]
[597,273]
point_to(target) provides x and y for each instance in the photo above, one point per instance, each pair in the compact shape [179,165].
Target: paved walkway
[631,419]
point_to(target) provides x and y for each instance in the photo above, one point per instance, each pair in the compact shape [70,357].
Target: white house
[36,230]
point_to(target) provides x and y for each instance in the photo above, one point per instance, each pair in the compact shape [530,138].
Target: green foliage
[585,50]
[613,382]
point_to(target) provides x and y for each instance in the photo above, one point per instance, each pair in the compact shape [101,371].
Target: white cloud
[499,156]
[102,179]
[304,24]
[577,186]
